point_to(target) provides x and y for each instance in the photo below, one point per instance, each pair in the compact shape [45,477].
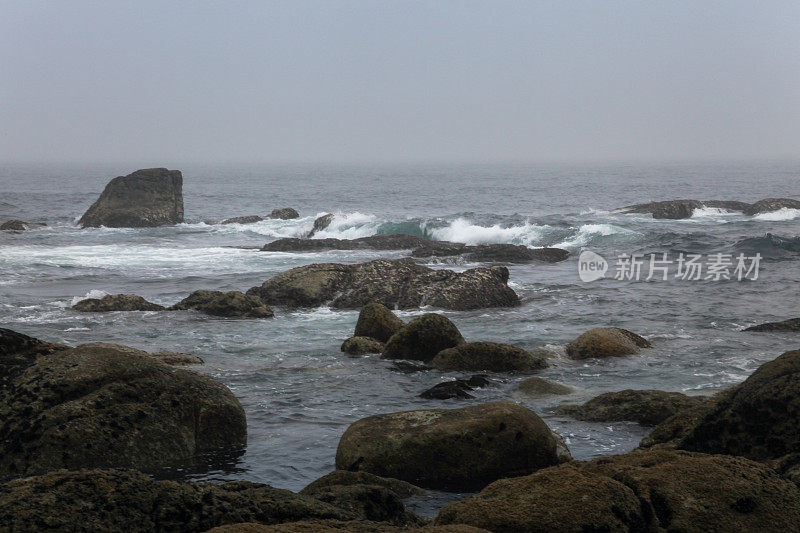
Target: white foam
[349,226]
[462,230]
[91,294]
[588,232]
[784,213]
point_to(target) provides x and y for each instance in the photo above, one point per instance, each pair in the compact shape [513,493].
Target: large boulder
[248,219]
[284,213]
[101,405]
[13,225]
[125,500]
[456,449]
[321,223]
[489,356]
[606,342]
[116,302]
[146,198]
[377,321]
[642,491]
[395,284]
[232,304]
[771,204]
[362,345]
[647,407]
[793,324]
[423,338]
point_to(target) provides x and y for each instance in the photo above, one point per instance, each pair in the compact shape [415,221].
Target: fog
[390,81]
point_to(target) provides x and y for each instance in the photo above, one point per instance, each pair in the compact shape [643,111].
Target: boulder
[177,359]
[673,430]
[489,356]
[249,219]
[456,388]
[450,449]
[536,387]
[674,209]
[377,321]
[374,242]
[146,198]
[14,225]
[284,213]
[771,204]
[647,407]
[423,338]
[395,284]
[640,491]
[606,342]
[321,223]
[512,253]
[793,324]
[375,503]
[102,406]
[362,345]
[116,302]
[337,526]
[232,304]
[126,500]
[346,477]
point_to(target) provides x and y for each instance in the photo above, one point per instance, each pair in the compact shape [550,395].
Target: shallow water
[300,392]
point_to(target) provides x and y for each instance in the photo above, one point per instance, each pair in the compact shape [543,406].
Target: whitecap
[784,213]
[462,230]
[587,233]
[94,293]
[349,226]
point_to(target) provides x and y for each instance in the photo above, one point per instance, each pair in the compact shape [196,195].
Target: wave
[94,293]
[784,213]
[591,233]
[462,230]
[349,226]
[770,246]
[715,214]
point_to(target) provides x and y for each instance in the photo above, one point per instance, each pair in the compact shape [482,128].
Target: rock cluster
[680,209]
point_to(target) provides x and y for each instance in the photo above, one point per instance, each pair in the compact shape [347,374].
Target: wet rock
[333,526]
[512,253]
[647,407]
[118,500]
[321,223]
[101,405]
[346,477]
[536,387]
[395,284]
[422,338]
[146,198]
[455,449]
[284,213]
[641,491]
[375,503]
[407,367]
[14,225]
[249,219]
[362,345]
[489,356]
[671,432]
[674,209]
[177,359]
[771,204]
[606,342]
[448,390]
[116,302]
[374,242]
[793,324]
[377,321]
[232,304]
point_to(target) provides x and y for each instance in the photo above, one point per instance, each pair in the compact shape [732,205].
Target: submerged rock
[489,356]
[101,405]
[647,407]
[321,223]
[606,342]
[793,324]
[146,198]
[423,338]
[232,304]
[362,345]
[640,491]
[457,388]
[14,225]
[455,449]
[537,386]
[377,321]
[284,213]
[116,302]
[249,219]
[399,284]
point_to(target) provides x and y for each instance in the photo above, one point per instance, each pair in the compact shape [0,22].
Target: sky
[399,81]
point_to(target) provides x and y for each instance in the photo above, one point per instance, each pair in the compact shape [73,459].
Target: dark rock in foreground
[338,526]
[232,304]
[146,198]
[249,219]
[14,225]
[637,492]
[107,406]
[793,324]
[346,477]
[647,407]
[606,342]
[423,338]
[116,302]
[399,284]
[321,223]
[362,345]
[284,213]
[489,356]
[456,449]
[377,321]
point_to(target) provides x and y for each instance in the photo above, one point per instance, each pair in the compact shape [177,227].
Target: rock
[16,345]
[793,324]
[334,526]
[101,405]
[377,321]
[407,367]
[284,213]
[362,345]
[116,302]
[146,198]
[118,500]
[177,359]
[345,477]
[536,387]
[13,225]
[321,223]
[448,390]
[640,491]
[728,205]
[374,242]
[423,338]
[395,284]
[511,253]
[232,304]
[249,219]
[772,204]
[671,432]
[375,503]
[489,356]
[674,209]
[647,407]
[606,342]
[449,449]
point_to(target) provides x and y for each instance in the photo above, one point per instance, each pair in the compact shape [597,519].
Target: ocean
[300,392]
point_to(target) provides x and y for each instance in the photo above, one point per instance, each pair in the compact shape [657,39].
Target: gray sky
[398,81]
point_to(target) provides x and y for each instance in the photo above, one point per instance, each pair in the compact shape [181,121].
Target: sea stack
[147,198]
